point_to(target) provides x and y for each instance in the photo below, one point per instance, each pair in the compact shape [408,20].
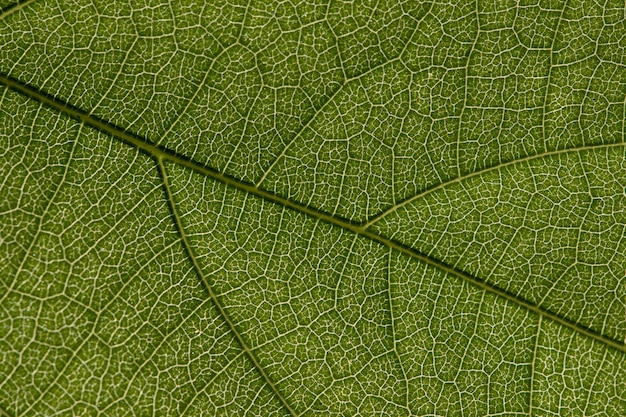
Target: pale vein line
[210,382]
[160,152]
[342,86]
[120,71]
[343,268]
[311,120]
[47,208]
[549,77]
[199,87]
[624,120]
[77,350]
[393,333]
[465,89]
[599,368]
[212,295]
[532,369]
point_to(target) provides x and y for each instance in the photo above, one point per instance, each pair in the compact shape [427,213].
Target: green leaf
[383,208]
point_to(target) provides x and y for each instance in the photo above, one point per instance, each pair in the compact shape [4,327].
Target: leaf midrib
[164,154]
[12,8]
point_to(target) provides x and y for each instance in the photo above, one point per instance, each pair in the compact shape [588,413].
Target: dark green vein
[3,413]
[212,295]
[407,201]
[13,7]
[162,153]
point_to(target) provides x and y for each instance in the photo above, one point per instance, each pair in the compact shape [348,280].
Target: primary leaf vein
[161,153]
[13,8]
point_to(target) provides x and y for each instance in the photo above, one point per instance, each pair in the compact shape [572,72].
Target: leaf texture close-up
[312,208]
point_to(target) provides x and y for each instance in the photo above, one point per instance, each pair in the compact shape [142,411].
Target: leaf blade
[349,118]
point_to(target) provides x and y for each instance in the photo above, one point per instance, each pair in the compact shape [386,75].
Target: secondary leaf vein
[213,296]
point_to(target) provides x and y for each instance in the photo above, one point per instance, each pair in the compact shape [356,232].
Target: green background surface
[312,208]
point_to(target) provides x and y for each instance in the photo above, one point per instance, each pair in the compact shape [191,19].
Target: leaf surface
[312,208]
